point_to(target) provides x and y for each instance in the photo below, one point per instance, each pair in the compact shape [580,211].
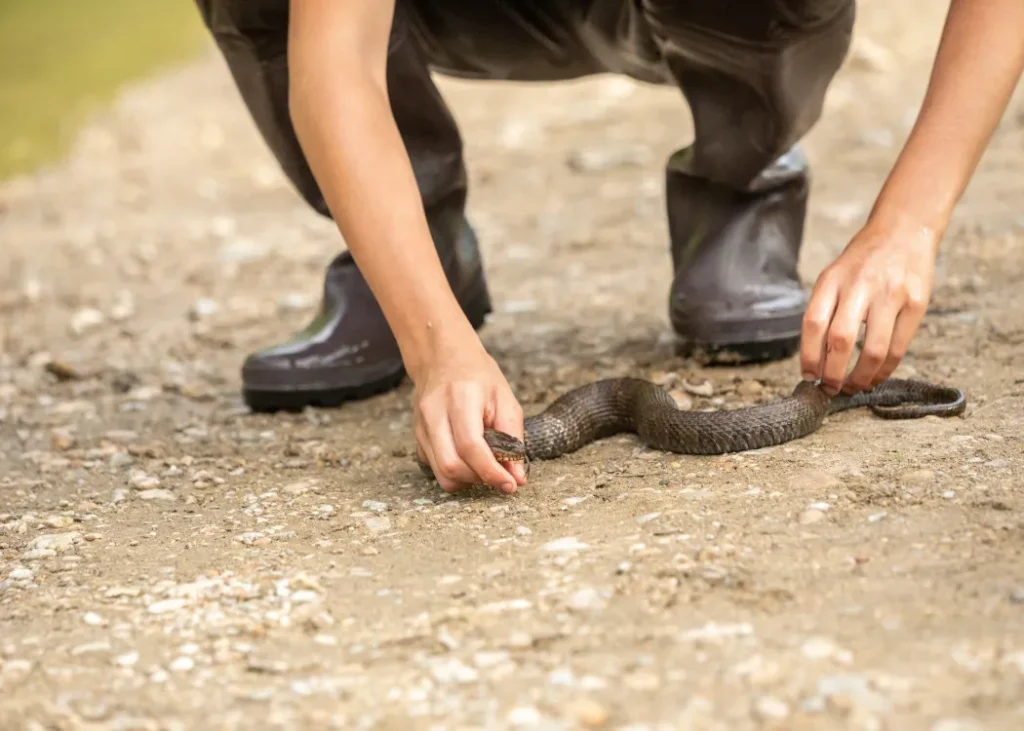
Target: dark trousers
[754,73]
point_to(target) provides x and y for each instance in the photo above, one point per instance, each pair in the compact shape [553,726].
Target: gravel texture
[170,561]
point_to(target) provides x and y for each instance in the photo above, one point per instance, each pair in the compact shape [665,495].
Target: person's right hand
[456,397]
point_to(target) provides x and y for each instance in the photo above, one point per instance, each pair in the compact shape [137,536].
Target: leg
[755,76]
[348,350]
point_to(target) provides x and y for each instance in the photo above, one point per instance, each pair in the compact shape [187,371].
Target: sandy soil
[170,561]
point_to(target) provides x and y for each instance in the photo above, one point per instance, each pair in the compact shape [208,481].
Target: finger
[878,336]
[508,417]
[842,334]
[449,469]
[816,321]
[903,333]
[467,421]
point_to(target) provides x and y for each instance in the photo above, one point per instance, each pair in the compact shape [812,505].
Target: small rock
[586,600]
[705,389]
[85,319]
[65,371]
[750,388]
[588,713]
[375,506]
[165,606]
[62,439]
[768,708]
[299,488]
[562,545]
[683,402]
[93,619]
[253,538]
[378,525]
[157,494]
[54,542]
[449,671]
[182,664]
[21,574]
[374,452]
[522,530]
[127,660]
[295,302]
[918,477]
[202,308]
[58,521]
[956,724]
[810,516]
[523,716]
[139,480]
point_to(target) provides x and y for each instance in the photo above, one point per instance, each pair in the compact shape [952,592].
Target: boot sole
[296,399]
[714,354]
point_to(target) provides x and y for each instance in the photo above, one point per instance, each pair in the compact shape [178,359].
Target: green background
[62,59]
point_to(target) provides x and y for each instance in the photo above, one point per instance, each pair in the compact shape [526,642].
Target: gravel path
[170,561]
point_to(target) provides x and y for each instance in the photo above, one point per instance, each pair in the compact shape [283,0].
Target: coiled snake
[612,406]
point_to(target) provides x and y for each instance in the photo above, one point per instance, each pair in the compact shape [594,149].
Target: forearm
[344,122]
[978,64]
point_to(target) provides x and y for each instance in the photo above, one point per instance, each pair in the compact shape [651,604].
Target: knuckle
[873,355]
[448,467]
[840,341]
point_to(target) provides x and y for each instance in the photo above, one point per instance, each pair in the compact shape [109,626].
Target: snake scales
[613,406]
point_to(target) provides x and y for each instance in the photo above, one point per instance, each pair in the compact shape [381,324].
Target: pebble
[182,664]
[157,494]
[768,708]
[588,713]
[523,716]
[750,388]
[127,660]
[165,606]
[854,690]
[683,401]
[375,506]
[378,525]
[62,439]
[139,480]
[811,516]
[203,308]
[93,619]
[561,545]
[449,671]
[587,600]
[956,724]
[918,477]
[522,530]
[51,544]
[21,574]
[84,320]
[705,389]
[58,521]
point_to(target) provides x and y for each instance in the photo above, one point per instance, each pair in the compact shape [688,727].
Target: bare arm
[337,55]
[885,275]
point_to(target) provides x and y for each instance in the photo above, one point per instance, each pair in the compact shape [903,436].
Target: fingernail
[508,488]
[808,376]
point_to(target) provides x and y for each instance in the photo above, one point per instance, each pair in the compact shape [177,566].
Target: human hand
[456,398]
[883,278]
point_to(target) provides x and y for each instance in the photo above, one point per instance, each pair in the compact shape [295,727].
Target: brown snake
[607,407]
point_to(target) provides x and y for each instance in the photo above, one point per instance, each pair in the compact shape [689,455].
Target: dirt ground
[170,561]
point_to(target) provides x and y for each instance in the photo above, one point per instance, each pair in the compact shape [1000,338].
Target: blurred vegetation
[62,59]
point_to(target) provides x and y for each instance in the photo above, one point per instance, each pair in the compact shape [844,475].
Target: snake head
[506,448]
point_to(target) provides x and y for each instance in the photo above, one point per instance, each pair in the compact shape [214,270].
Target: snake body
[612,406]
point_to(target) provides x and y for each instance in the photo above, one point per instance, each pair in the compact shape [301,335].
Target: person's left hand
[883,278]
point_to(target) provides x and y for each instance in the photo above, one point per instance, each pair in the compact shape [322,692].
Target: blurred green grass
[62,59]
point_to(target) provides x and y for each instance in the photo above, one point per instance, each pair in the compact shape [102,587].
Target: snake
[612,406]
